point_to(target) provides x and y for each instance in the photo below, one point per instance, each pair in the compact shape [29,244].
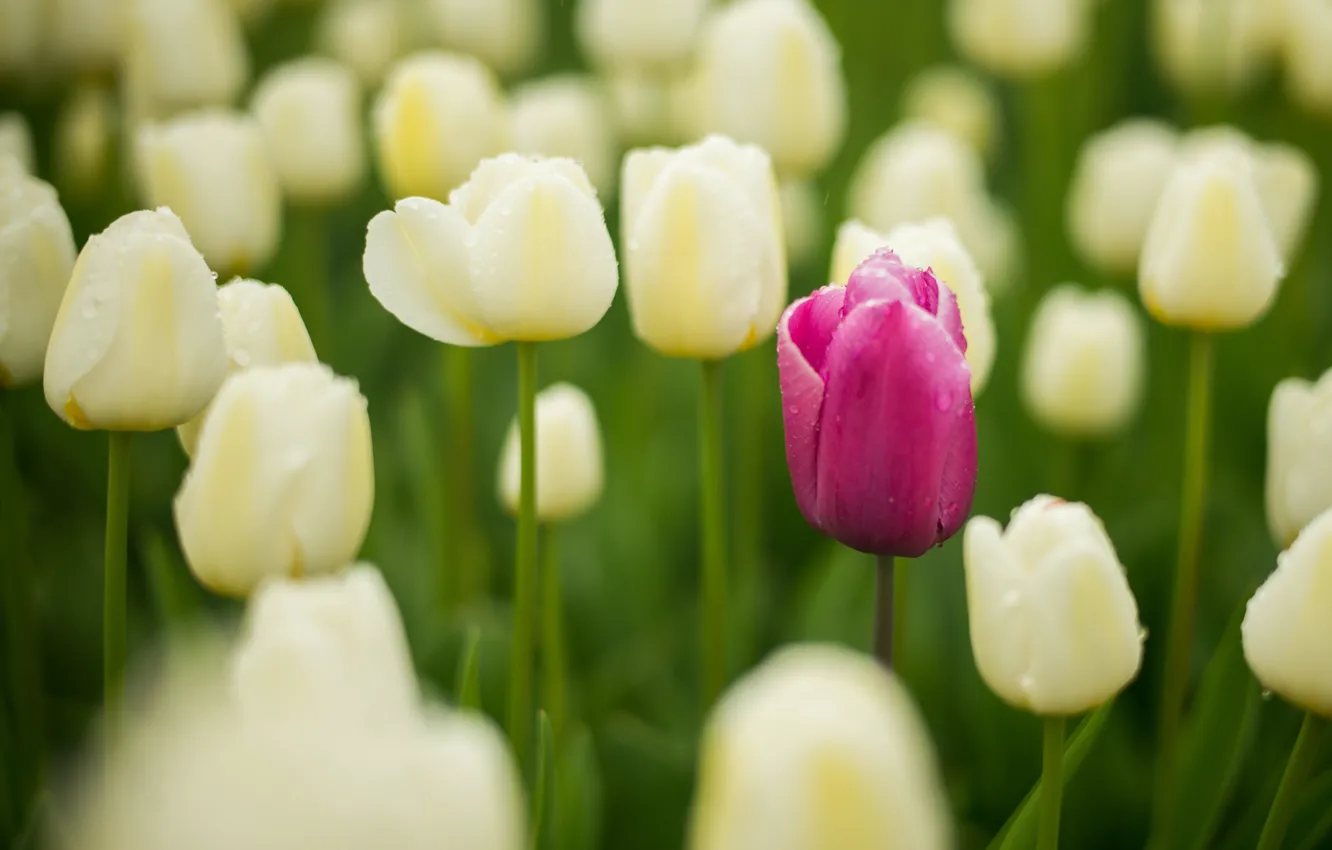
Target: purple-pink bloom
[876,396]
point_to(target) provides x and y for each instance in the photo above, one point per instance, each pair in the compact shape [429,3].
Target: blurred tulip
[818,748]
[252,11]
[182,54]
[85,35]
[310,113]
[1054,626]
[507,35]
[21,44]
[1118,180]
[1020,38]
[769,73]
[1299,448]
[567,115]
[855,243]
[1214,45]
[281,482]
[1082,374]
[880,426]
[213,169]
[1307,31]
[954,99]
[36,258]
[84,141]
[639,35]
[261,327]
[520,252]
[16,140]
[705,265]
[419,118]
[569,465]
[648,110]
[802,219]
[367,35]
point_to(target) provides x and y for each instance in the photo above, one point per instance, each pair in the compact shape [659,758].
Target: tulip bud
[1299,487]
[213,170]
[1083,371]
[704,260]
[84,139]
[639,35]
[137,343]
[1118,180]
[769,73]
[880,426]
[954,99]
[1210,260]
[1019,38]
[802,219]
[567,115]
[85,35]
[418,115]
[16,140]
[310,113]
[367,35]
[261,327]
[1306,34]
[37,248]
[520,252]
[1054,626]
[183,54]
[507,35]
[1214,45]
[568,450]
[818,748]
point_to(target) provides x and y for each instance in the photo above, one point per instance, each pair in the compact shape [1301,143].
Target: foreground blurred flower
[1119,178]
[182,54]
[569,472]
[1083,371]
[436,118]
[1299,445]
[954,99]
[16,140]
[818,748]
[769,73]
[1019,38]
[802,219]
[567,115]
[507,35]
[1210,46]
[367,35]
[639,35]
[37,251]
[213,169]
[84,140]
[1307,33]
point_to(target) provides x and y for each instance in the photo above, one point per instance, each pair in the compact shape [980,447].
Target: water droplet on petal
[242,357]
[943,401]
[1267,695]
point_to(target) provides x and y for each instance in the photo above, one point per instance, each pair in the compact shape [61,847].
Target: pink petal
[803,335]
[884,277]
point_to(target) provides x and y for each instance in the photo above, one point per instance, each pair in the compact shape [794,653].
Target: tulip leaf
[468,690]
[1312,823]
[578,793]
[1020,831]
[174,592]
[545,766]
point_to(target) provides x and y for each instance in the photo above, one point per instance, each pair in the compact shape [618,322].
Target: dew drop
[1267,695]
[242,357]
[1010,599]
[943,401]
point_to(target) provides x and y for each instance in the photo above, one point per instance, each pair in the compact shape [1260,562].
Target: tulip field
[660,424]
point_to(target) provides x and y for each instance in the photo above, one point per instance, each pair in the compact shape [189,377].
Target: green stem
[307,237]
[113,596]
[1302,759]
[1043,165]
[469,564]
[554,667]
[889,608]
[522,653]
[713,527]
[1052,783]
[1179,636]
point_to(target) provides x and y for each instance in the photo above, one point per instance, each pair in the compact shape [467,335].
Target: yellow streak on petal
[844,812]
[412,144]
[75,416]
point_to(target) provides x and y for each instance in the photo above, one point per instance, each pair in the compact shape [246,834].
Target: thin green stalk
[469,562]
[1302,759]
[1043,164]
[1052,783]
[554,665]
[713,528]
[307,238]
[889,608]
[113,595]
[521,659]
[1179,636]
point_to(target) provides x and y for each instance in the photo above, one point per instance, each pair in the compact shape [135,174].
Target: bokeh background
[630,566]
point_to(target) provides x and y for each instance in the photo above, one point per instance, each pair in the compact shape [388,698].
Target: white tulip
[818,748]
[21,42]
[137,344]
[282,480]
[182,54]
[1054,626]
[705,265]
[365,34]
[639,35]
[520,252]
[769,73]
[570,472]
[85,35]
[213,169]
[1119,177]
[991,233]
[1210,45]
[855,243]
[1288,624]
[16,140]
[648,110]
[954,99]
[84,140]
[1020,38]
[436,118]
[1299,455]
[802,219]
[310,113]
[507,35]
[1307,33]
[1083,371]
[36,258]
[252,11]
[568,116]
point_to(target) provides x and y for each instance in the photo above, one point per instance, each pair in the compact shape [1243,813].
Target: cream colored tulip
[570,472]
[252,11]
[520,252]
[1299,455]
[310,113]
[855,243]
[1288,624]
[1306,33]
[1054,626]
[36,258]
[1020,38]
[84,140]
[21,41]
[1082,375]
[769,73]
[568,116]
[1118,180]
[137,343]
[367,35]
[802,219]
[436,118]
[639,35]
[262,327]
[818,748]
[213,169]
[282,480]
[182,54]
[954,99]
[1214,45]
[16,140]
[705,265]
[85,35]
[507,35]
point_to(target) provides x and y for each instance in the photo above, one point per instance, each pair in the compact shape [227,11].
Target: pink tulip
[876,394]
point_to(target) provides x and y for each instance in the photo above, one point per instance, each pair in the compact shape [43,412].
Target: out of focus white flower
[212,169]
[21,44]
[567,116]
[1306,35]
[1214,45]
[507,35]
[310,113]
[84,35]
[1118,180]
[818,748]
[1019,38]
[520,252]
[639,35]
[956,100]
[419,122]
[84,139]
[1299,455]
[16,140]
[769,73]
[570,471]
[252,11]
[36,258]
[648,110]
[182,54]
[802,219]
[365,34]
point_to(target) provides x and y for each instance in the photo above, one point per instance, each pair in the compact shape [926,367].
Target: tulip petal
[803,337]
